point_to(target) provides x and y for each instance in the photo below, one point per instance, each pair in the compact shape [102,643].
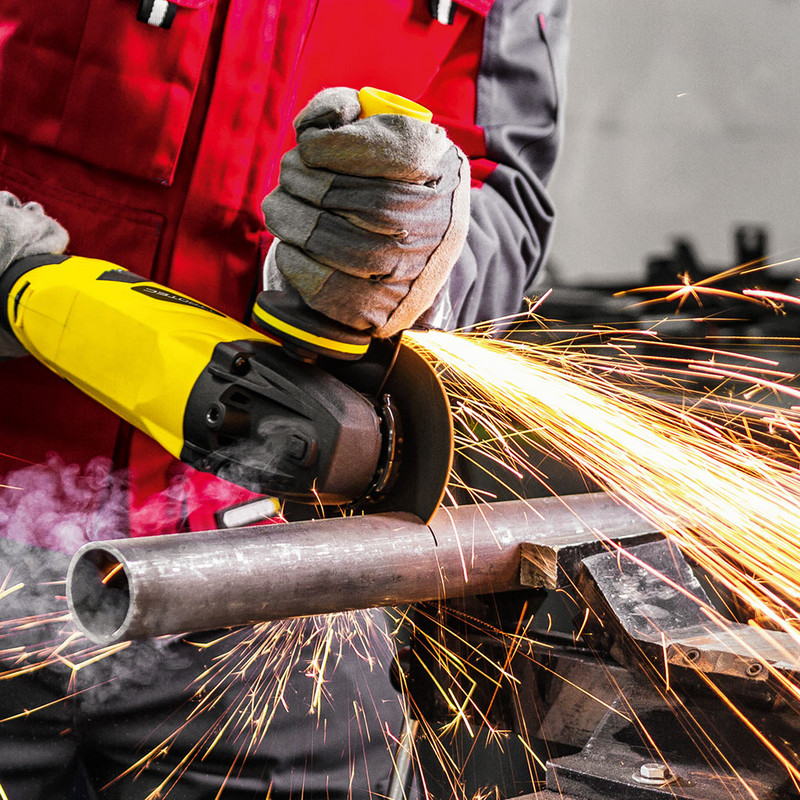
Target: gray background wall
[682,117]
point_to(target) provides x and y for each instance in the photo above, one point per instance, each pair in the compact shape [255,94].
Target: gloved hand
[25,230]
[371,213]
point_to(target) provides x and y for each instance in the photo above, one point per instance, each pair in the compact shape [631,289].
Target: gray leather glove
[371,213]
[25,230]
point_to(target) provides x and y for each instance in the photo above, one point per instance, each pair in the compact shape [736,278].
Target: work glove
[25,230]
[370,214]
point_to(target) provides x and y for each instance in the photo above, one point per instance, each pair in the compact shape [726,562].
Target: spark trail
[728,501]
[261,672]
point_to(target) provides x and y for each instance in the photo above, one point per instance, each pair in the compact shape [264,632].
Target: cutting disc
[427,432]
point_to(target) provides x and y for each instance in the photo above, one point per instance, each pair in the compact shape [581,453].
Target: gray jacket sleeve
[520,89]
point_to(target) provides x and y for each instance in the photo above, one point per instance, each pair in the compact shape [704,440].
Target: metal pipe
[134,588]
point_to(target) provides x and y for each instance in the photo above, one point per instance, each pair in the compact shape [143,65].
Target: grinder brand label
[160,293]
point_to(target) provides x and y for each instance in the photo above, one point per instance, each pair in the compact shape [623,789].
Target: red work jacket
[154,148]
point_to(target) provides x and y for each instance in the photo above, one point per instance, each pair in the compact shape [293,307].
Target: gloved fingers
[49,237]
[380,202]
[301,271]
[351,301]
[389,205]
[333,241]
[289,218]
[8,199]
[425,287]
[397,301]
[383,206]
[26,230]
[331,135]
[34,208]
[330,108]
[324,189]
[336,241]
[394,214]
[384,146]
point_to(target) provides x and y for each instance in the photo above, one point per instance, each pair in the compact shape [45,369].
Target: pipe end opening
[99,595]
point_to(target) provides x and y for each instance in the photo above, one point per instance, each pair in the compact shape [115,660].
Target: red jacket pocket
[121,102]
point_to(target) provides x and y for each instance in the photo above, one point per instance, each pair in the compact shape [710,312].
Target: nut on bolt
[754,669]
[655,771]
[692,655]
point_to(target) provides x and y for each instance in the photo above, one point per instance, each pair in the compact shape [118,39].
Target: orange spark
[111,573]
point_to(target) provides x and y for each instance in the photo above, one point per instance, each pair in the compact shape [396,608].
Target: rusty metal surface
[198,581]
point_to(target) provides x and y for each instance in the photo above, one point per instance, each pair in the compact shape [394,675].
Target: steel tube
[134,588]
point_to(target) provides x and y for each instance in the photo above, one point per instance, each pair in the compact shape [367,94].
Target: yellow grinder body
[211,390]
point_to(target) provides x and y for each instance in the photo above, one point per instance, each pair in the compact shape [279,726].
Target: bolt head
[655,771]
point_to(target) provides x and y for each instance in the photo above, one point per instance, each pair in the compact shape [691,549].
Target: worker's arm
[25,230]
[347,269]
[518,116]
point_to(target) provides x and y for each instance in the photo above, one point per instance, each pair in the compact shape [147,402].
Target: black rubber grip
[14,272]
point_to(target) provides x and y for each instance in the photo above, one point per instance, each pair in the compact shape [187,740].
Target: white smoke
[60,506]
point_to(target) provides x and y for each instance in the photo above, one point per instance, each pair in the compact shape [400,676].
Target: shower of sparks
[731,503]
[57,644]
[726,493]
[706,287]
[468,679]
[239,695]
